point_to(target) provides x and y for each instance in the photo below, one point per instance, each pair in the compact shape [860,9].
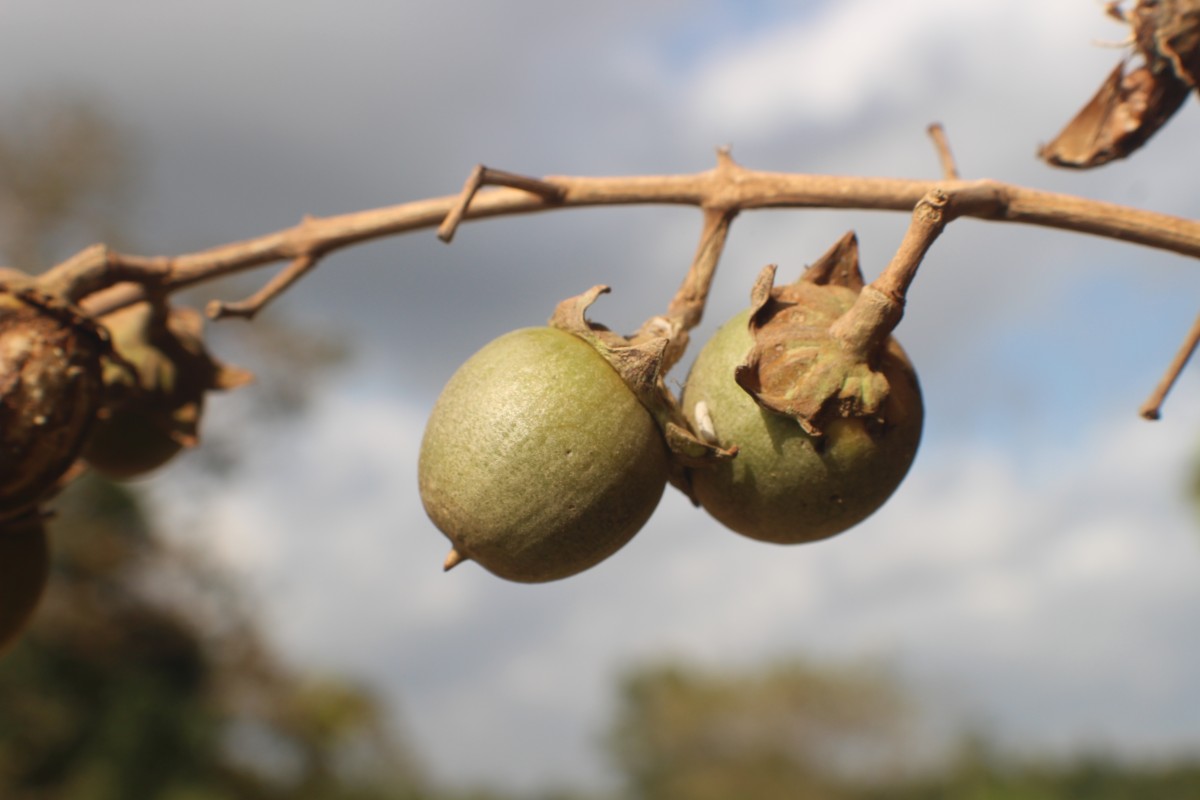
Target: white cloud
[853,60]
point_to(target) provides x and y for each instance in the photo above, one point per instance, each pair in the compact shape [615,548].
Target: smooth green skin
[780,488]
[24,569]
[538,461]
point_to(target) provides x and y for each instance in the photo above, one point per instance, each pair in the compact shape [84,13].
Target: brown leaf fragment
[1129,108]
[1124,113]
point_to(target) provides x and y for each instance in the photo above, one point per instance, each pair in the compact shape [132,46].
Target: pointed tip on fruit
[453,559]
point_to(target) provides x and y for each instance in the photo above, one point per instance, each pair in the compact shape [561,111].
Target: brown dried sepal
[641,363]
[50,388]
[156,382]
[1129,108]
[806,362]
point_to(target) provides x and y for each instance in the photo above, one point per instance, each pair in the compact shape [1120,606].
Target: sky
[1038,572]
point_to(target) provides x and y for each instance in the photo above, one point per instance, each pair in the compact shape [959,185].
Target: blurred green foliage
[805,731]
[143,677]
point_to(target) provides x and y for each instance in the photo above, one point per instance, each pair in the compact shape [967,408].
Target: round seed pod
[787,485]
[24,569]
[50,388]
[155,389]
[538,461]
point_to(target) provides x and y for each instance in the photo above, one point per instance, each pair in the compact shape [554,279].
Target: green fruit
[538,461]
[24,568]
[784,485]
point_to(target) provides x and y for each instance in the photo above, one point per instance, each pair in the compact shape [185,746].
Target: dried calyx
[818,341]
[50,389]
[155,385]
[642,361]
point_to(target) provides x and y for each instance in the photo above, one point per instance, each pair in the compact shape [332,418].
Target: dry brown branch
[731,187]
[104,280]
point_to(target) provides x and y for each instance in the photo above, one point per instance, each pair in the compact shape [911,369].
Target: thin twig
[248,308]
[687,306]
[484,176]
[941,143]
[1152,408]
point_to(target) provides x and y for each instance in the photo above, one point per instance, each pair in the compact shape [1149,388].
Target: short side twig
[484,176]
[248,308]
[1152,408]
[941,143]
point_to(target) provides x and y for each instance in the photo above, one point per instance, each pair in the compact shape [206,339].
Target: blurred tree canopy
[790,730]
[805,731]
[142,677]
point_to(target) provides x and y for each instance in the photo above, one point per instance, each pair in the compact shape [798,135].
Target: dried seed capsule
[538,461]
[155,389]
[50,388]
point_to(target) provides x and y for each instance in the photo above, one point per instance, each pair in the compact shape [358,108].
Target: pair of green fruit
[538,461]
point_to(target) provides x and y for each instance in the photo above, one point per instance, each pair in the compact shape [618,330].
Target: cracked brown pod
[50,388]
[24,569]
[155,389]
[825,427]
[539,460]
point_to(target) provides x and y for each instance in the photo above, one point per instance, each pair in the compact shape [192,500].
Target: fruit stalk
[880,305]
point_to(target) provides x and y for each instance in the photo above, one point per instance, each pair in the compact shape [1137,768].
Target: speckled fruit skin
[781,487]
[24,568]
[538,461]
[50,388]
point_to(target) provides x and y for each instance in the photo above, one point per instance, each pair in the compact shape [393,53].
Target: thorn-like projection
[453,559]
